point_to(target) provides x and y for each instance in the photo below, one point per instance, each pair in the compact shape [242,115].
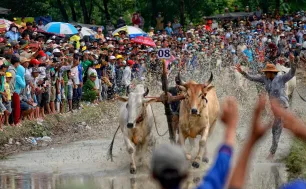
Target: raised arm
[286,77]
[238,178]
[217,176]
[255,78]
[291,122]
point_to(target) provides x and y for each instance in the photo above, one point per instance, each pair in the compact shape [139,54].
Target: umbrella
[131,30]
[4,25]
[144,41]
[4,10]
[60,28]
[87,32]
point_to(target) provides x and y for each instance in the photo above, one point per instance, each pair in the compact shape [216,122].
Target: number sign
[164,53]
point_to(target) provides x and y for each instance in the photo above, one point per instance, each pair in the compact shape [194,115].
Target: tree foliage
[102,10]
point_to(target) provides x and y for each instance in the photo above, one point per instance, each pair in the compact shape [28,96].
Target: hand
[238,68]
[258,130]
[81,84]
[230,112]
[291,57]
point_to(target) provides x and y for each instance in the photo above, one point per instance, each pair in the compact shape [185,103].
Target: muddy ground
[78,155]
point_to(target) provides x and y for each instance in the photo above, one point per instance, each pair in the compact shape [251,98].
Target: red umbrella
[144,41]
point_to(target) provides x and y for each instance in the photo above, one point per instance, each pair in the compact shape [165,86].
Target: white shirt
[75,75]
[127,76]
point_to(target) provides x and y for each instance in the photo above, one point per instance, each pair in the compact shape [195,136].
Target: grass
[296,160]
[53,125]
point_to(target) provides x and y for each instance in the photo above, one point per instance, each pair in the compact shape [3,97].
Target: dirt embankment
[62,129]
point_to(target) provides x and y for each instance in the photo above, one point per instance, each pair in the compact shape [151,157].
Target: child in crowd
[8,102]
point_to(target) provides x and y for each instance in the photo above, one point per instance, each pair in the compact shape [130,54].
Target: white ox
[136,121]
[291,84]
[198,115]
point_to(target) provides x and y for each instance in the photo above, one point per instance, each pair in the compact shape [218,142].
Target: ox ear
[207,89]
[122,99]
[182,88]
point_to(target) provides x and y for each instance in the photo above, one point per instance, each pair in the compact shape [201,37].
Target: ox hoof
[205,159]
[130,150]
[195,164]
[133,170]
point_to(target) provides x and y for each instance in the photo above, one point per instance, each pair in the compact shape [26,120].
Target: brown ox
[198,115]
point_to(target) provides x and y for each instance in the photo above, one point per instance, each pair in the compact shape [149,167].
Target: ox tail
[110,147]
[303,98]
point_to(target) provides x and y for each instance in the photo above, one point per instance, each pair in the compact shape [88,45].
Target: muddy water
[84,164]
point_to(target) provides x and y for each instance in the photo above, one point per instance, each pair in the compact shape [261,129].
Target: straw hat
[270,68]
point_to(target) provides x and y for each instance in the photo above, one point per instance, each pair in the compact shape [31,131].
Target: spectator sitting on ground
[90,91]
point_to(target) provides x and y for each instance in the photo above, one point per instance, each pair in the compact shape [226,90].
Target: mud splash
[83,164]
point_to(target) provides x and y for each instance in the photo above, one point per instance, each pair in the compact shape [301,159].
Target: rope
[156,126]
[300,94]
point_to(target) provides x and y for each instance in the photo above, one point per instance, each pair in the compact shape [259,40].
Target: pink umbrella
[144,41]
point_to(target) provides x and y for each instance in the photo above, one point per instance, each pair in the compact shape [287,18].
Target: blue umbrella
[60,28]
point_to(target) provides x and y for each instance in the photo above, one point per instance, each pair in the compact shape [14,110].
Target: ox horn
[146,93]
[179,80]
[210,80]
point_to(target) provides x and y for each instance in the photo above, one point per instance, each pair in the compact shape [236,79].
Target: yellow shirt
[8,91]
[101,36]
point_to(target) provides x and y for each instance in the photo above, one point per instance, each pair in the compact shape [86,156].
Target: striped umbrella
[4,25]
[131,30]
[60,28]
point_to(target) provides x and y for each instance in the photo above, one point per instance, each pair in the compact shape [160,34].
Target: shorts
[61,97]
[42,99]
[2,107]
[48,89]
[8,106]
[69,92]
[25,106]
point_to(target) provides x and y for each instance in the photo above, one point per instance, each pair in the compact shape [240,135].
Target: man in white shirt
[77,88]
[127,76]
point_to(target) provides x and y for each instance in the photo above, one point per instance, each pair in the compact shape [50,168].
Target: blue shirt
[249,54]
[216,177]
[12,36]
[80,68]
[169,30]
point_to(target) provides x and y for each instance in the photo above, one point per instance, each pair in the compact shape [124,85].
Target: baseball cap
[119,56]
[49,41]
[112,57]
[8,74]
[93,74]
[169,157]
[130,62]
[56,51]
[34,61]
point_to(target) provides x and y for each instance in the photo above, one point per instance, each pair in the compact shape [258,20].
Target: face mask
[14,29]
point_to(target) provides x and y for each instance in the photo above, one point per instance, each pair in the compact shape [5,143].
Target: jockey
[275,87]
[175,106]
